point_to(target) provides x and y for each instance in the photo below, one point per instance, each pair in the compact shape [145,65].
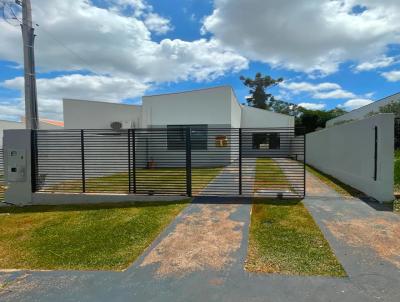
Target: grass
[269,176]
[87,237]
[285,239]
[171,180]
[397,172]
[337,185]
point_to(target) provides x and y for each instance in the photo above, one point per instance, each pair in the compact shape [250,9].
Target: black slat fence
[178,160]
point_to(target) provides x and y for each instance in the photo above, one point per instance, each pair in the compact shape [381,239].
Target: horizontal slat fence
[2,184]
[170,161]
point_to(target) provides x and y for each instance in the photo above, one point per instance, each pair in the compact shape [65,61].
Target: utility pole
[28,37]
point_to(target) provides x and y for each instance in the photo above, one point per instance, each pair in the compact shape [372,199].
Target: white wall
[236,112]
[206,106]
[362,112]
[347,153]
[80,114]
[258,118]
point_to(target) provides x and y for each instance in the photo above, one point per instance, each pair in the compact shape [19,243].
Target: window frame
[198,142]
[269,136]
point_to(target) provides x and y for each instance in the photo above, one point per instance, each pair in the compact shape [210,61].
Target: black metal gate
[187,160]
[397,133]
[2,184]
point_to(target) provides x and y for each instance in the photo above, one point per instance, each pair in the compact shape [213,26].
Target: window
[266,141]
[176,135]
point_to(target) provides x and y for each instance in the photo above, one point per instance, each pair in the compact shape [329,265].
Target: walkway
[227,181]
[200,257]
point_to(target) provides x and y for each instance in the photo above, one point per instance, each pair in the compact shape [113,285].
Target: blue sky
[342,53]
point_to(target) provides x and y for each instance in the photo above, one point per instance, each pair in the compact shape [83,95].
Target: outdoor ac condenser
[117,125]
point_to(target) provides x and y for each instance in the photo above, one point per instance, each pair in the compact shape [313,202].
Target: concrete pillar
[17,166]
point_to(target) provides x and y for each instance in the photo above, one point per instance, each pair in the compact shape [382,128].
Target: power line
[4,4]
[66,47]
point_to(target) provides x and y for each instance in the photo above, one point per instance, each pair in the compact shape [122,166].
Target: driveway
[226,183]
[200,257]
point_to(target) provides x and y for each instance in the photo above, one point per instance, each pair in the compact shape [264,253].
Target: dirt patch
[379,234]
[317,188]
[202,240]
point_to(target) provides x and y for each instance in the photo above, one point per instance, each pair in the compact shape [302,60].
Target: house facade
[214,107]
[214,116]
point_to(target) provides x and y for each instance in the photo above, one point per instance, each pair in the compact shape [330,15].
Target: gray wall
[347,153]
[212,156]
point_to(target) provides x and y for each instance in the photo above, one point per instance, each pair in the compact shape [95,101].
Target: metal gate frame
[192,161]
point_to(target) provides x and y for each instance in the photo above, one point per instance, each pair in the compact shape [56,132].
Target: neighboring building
[43,124]
[362,112]
[212,112]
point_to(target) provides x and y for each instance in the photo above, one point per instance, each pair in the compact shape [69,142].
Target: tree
[258,86]
[392,107]
[311,120]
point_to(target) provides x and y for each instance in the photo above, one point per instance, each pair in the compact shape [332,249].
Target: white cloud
[325,90]
[355,103]
[11,110]
[157,24]
[334,94]
[52,91]
[310,36]
[108,42]
[309,87]
[116,47]
[392,76]
[312,106]
[379,62]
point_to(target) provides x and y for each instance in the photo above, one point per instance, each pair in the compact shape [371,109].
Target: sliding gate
[177,160]
[2,183]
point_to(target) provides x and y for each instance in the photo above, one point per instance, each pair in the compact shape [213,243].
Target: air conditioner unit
[118,125]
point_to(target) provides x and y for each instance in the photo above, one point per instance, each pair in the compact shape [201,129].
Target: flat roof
[102,102]
[192,90]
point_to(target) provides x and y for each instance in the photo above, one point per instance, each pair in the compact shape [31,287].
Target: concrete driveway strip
[192,260]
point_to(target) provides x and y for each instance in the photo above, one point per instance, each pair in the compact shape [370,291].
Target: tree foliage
[311,120]
[259,98]
[392,107]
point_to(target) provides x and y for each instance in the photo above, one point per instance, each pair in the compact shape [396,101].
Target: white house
[364,111]
[214,107]
[211,112]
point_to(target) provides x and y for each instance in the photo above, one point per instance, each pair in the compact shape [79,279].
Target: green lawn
[147,180]
[285,239]
[269,176]
[334,183]
[89,237]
